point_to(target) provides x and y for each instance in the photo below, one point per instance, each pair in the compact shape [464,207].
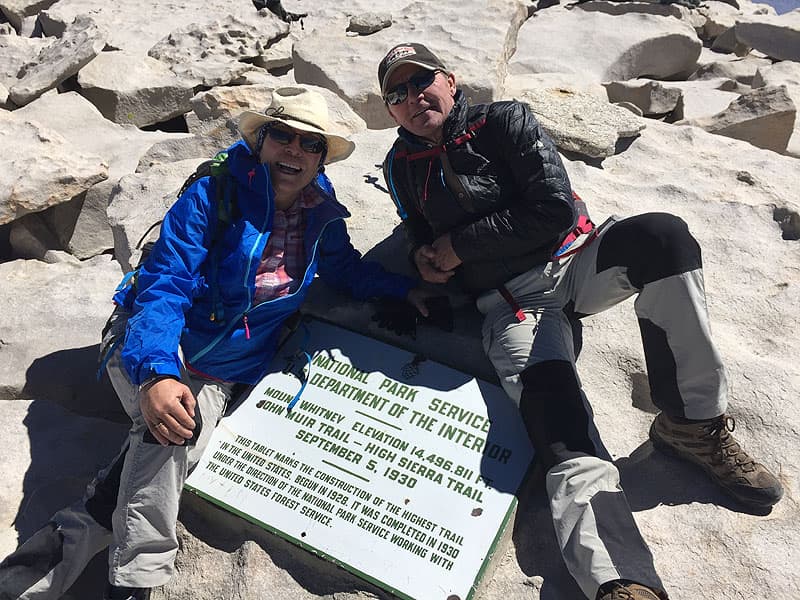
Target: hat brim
[250,122]
[399,64]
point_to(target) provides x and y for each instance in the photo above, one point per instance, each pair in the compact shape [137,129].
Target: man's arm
[418,230]
[542,210]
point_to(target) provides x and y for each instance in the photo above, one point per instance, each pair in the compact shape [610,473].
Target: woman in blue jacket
[205,313]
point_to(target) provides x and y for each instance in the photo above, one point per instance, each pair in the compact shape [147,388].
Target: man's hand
[418,297]
[444,257]
[168,409]
[423,258]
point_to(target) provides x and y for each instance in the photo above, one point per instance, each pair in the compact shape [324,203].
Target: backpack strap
[227,209]
[226,212]
[468,134]
[583,226]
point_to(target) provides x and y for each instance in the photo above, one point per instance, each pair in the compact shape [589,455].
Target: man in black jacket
[485,200]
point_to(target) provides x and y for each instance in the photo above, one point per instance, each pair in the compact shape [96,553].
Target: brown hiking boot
[710,445]
[626,590]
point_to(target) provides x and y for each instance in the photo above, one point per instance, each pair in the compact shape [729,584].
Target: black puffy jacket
[498,186]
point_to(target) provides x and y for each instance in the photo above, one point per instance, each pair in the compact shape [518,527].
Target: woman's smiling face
[290,167]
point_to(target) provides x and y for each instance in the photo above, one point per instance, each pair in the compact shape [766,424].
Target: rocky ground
[106,107]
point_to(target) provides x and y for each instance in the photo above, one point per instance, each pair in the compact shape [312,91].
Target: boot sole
[665,448]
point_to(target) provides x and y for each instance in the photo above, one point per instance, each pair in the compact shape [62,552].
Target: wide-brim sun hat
[301,109]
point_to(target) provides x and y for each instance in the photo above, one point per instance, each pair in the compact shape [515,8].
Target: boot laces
[727,449]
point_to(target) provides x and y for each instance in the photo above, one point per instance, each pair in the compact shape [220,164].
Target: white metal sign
[399,469]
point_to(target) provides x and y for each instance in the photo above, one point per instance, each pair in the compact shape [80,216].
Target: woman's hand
[168,409]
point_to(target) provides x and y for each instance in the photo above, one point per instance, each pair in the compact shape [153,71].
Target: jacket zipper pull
[246,327]
[250,174]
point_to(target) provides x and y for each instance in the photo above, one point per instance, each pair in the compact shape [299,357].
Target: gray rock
[81,225]
[210,54]
[3,96]
[719,18]
[727,42]
[516,85]
[75,118]
[31,237]
[133,89]
[44,169]
[676,11]
[777,37]
[764,117]
[7,29]
[69,316]
[582,123]
[135,30]
[781,73]
[703,97]
[650,97]
[784,73]
[16,10]
[369,23]
[740,69]
[611,48]
[81,42]
[15,52]
[199,147]
[478,55]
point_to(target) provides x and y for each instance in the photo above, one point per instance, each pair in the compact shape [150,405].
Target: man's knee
[652,246]
[555,414]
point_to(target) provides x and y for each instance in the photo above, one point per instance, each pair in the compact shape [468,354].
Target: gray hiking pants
[651,256]
[131,506]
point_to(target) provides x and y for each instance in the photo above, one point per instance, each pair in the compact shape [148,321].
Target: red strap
[512,303]
[436,151]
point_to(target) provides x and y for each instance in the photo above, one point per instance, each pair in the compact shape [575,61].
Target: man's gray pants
[651,256]
[131,506]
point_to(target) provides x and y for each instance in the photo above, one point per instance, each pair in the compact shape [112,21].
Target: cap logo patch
[398,53]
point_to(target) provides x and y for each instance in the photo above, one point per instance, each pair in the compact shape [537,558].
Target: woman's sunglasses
[420,81]
[313,144]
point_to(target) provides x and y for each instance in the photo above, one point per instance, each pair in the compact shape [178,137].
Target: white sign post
[401,470]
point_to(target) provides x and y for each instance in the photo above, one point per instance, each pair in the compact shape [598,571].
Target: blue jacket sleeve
[342,267]
[166,285]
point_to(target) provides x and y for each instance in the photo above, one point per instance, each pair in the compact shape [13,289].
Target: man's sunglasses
[313,144]
[420,81]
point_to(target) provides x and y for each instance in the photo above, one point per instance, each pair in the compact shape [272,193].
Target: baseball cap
[403,54]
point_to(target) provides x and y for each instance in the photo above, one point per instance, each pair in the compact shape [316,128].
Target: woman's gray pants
[131,506]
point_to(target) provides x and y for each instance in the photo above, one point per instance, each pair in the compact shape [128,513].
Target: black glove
[440,313]
[397,315]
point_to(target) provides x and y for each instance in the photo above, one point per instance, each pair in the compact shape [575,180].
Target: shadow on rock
[649,478]
[537,551]
[69,378]
[75,425]
[235,539]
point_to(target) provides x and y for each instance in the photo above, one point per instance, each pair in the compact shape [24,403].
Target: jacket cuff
[149,371]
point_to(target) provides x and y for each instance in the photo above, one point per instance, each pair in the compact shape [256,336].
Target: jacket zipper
[200,354]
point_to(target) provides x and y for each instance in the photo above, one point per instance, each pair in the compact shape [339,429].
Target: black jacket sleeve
[418,231]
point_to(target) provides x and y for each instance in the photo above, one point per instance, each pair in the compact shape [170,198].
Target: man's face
[424,111]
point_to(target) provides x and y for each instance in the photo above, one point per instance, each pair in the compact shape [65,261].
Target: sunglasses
[313,144]
[420,81]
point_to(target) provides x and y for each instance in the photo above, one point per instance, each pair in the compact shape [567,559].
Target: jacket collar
[253,175]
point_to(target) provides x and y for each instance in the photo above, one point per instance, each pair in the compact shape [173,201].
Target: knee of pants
[558,420]
[651,246]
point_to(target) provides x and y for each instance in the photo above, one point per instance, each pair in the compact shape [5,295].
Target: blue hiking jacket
[171,303]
